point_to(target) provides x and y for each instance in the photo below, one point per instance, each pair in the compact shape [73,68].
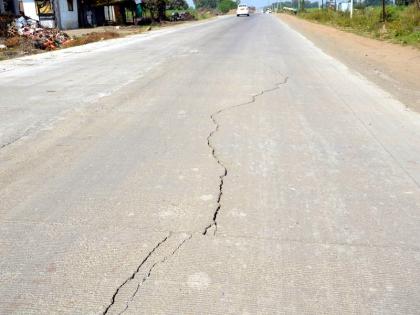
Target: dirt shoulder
[393,67]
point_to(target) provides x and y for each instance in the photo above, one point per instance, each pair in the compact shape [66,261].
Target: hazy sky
[257,3]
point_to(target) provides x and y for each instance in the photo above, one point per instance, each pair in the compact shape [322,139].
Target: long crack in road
[213,116]
[155,179]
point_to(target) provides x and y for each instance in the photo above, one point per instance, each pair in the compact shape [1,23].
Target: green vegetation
[155,8]
[203,14]
[176,5]
[221,5]
[156,11]
[226,5]
[402,23]
[200,14]
[208,4]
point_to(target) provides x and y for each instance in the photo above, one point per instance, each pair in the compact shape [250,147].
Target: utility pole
[383,11]
[351,8]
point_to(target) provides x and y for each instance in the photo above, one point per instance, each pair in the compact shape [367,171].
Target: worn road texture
[225,167]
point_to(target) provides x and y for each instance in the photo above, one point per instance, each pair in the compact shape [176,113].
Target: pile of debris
[40,37]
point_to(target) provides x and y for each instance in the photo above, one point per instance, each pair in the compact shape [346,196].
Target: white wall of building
[68,19]
[47,23]
[29,9]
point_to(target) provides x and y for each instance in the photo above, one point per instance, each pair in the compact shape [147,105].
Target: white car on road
[242,10]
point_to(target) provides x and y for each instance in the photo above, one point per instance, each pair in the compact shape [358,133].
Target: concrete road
[224,167]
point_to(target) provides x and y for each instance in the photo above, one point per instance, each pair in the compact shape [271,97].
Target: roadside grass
[402,23]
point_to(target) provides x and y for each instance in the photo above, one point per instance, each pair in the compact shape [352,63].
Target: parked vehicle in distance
[242,10]
[268,11]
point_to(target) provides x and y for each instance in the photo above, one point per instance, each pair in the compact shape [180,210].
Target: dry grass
[16,47]
[12,42]
[91,38]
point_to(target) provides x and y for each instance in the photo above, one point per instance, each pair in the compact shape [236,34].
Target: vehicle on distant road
[268,11]
[242,10]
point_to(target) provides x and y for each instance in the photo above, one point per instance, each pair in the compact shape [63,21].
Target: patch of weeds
[402,23]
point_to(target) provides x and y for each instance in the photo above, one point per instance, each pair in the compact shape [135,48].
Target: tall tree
[176,4]
[208,4]
[156,8]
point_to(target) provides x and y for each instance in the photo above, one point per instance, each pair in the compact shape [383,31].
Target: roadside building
[50,13]
[71,14]
[94,13]
[68,14]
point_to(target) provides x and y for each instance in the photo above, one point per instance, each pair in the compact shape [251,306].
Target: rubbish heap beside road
[39,37]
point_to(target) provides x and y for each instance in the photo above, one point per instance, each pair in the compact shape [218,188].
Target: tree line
[157,8]
[222,5]
[357,3]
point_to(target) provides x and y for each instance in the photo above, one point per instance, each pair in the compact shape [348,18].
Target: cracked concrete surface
[104,204]
[17,138]
[111,307]
[133,276]
[213,116]
[140,276]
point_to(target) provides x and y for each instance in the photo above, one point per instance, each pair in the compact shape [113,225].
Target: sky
[257,3]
